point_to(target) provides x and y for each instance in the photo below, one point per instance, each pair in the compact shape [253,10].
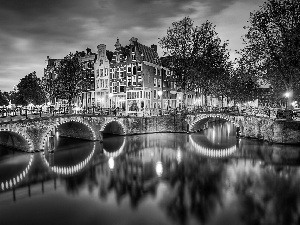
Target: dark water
[203,178]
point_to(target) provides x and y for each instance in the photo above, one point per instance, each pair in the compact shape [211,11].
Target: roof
[149,54]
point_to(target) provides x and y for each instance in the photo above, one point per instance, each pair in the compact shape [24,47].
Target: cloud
[32,30]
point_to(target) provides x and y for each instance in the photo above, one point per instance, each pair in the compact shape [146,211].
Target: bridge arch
[114,127]
[78,121]
[24,136]
[55,127]
[226,117]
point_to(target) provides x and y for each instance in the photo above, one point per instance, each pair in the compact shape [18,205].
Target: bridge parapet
[36,132]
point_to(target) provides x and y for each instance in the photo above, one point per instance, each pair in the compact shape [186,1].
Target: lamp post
[110,95]
[287,95]
[160,94]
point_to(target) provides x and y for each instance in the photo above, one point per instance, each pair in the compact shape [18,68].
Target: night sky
[31,30]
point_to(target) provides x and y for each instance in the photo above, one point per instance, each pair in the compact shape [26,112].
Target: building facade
[87,97]
[102,84]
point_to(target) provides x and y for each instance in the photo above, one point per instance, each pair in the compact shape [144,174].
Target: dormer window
[117,58]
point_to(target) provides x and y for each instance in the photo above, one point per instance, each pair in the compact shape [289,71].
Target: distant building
[102,78]
[136,78]
[49,77]
[88,58]
[87,98]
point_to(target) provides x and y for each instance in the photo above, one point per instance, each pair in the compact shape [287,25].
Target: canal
[210,177]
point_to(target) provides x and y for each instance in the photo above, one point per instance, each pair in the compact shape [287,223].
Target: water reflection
[204,178]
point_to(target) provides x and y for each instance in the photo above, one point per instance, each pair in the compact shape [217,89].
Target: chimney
[154,48]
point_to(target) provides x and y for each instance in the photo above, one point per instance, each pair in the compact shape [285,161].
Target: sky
[31,30]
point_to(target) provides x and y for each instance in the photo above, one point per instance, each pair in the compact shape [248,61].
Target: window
[118,58]
[139,67]
[101,72]
[134,70]
[122,89]
[155,82]
[128,68]
[154,94]
[133,57]
[97,73]
[134,80]
[158,84]
[155,71]
[106,72]
[115,87]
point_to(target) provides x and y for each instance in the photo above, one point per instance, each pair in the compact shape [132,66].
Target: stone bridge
[33,134]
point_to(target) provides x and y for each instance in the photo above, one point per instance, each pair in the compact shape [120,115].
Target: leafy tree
[242,87]
[3,99]
[30,91]
[71,79]
[109,55]
[272,45]
[196,56]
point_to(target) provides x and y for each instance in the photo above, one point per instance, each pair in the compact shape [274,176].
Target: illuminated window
[154,94]
[128,68]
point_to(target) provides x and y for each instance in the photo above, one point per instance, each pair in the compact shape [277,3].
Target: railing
[33,112]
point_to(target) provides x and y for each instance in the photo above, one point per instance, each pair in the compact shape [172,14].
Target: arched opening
[204,123]
[113,128]
[15,141]
[74,129]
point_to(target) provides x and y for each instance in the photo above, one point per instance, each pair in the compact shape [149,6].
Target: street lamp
[110,95]
[161,98]
[287,95]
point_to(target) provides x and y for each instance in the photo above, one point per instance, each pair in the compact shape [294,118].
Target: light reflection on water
[201,178]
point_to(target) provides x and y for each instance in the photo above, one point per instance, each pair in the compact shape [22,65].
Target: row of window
[138,95]
[102,83]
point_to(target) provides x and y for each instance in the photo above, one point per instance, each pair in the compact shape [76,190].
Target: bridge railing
[8,114]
